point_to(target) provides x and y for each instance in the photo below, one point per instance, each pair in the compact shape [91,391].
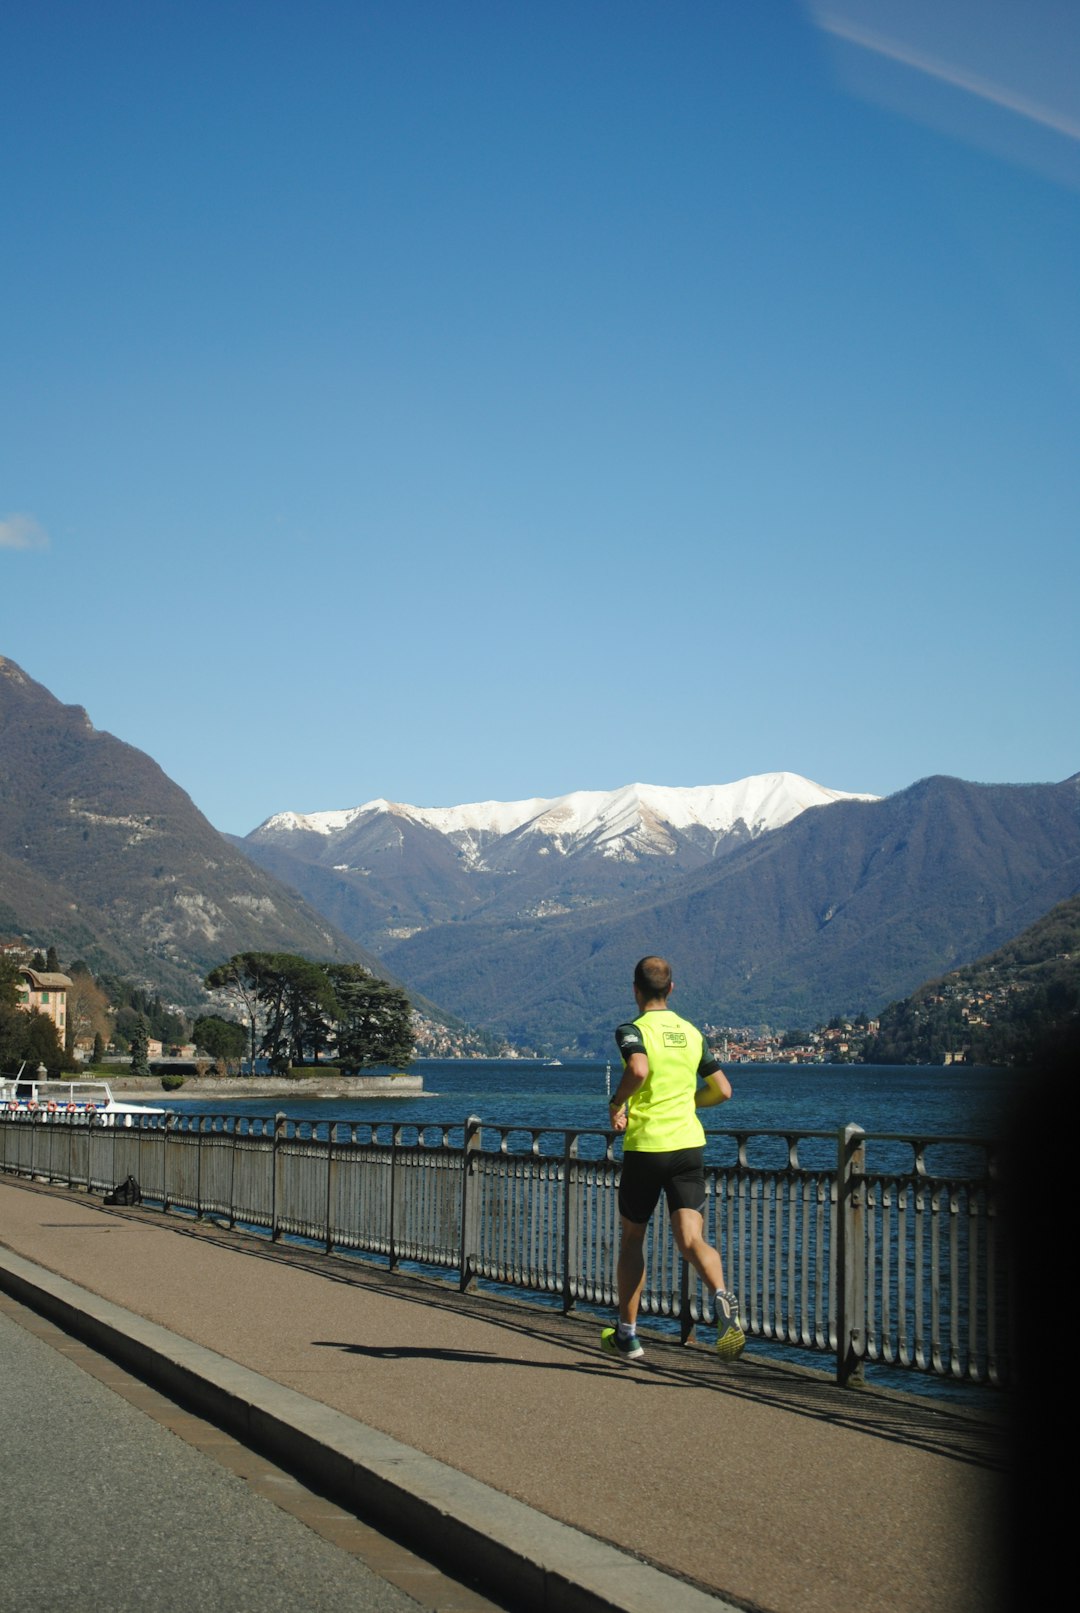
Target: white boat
[21,1097]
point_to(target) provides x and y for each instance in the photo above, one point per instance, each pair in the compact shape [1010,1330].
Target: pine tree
[140,1049]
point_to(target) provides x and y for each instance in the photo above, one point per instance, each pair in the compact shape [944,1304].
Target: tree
[29,1038]
[12,1017]
[132,1003]
[299,998]
[42,1044]
[88,1011]
[243,974]
[222,1039]
[52,962]
[374,1019]
[297,1008]
[289,1003]
[140,1049]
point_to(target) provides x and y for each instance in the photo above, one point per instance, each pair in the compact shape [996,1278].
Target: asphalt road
[106,1510]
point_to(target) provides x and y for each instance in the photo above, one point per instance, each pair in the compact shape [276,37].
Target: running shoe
[626,1349]
[730,1338]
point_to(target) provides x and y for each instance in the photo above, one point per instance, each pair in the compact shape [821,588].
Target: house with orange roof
[46,992]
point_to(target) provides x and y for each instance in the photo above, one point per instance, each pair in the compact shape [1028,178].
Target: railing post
[331,1184]
[571,1223]
[395,1138]
[469,1206]
[278,1165]
[232,1170]
[686,1320]
[850,1254]
[198,1167]
[170,1121]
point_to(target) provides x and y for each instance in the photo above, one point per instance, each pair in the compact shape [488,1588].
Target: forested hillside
[1018,1006]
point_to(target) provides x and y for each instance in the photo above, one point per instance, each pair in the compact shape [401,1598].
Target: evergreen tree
[12,1018]
[42,1045]
[374,1019]
[223,1039]
[301,1007]
[140,1049]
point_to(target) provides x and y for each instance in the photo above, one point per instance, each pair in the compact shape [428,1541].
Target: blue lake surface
[908,1099]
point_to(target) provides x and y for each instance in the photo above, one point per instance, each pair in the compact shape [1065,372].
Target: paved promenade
[756,1483]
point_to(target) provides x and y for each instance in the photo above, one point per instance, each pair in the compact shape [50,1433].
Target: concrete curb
[532,1561]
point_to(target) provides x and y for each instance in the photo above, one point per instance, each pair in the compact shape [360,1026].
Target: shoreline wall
[268,1086]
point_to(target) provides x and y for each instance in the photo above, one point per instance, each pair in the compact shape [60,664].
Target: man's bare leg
[630,1271]
[689,1229]
[622,1341]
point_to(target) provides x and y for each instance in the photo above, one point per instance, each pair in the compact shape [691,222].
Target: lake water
[821,1097]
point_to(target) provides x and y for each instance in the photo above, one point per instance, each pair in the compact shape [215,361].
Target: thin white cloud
[974,84]
[22,532]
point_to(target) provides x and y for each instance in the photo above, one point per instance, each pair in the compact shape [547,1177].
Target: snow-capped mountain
[636,820]
[385,870]
[526,916]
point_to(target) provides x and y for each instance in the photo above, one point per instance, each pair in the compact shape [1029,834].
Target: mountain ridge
[530,933]
[585,813]
[386,871]
[837,911]
[833,911]
[106,857]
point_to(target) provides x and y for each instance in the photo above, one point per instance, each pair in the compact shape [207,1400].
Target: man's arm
[716,1088]
[633,1077]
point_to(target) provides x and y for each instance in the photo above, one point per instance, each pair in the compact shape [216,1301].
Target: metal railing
[869,1249]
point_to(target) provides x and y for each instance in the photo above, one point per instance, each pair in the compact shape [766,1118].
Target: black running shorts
[679,1175]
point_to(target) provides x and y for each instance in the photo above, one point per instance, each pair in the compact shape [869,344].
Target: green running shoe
[730,1338]
[627,1350]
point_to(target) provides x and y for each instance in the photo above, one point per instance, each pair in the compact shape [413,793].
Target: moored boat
[24,1098]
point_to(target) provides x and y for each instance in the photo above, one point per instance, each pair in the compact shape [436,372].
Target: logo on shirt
[674,1038]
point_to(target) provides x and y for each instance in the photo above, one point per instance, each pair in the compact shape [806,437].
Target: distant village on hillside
[839,1042]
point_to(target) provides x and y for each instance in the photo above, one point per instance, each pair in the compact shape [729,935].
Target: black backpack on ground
[128,1192]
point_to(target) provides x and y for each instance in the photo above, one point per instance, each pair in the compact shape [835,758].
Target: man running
[655,1105]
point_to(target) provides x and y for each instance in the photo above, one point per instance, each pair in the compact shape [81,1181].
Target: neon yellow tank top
[661,1115]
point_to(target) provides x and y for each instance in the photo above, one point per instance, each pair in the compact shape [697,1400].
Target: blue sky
[451,401]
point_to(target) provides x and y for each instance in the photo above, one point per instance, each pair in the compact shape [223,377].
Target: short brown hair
[652,976]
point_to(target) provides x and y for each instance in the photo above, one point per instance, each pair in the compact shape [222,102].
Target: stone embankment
[238,1088]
